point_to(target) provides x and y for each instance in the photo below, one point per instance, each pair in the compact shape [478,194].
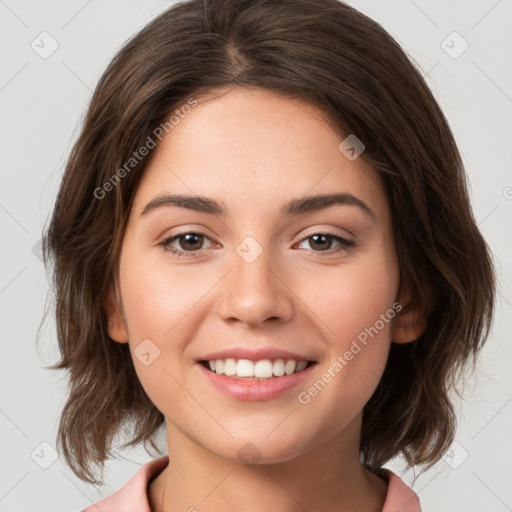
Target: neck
[329,477]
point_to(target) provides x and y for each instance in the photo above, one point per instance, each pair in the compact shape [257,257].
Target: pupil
[189,239]
[315,237]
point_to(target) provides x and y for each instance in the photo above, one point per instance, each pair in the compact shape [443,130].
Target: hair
[338,60]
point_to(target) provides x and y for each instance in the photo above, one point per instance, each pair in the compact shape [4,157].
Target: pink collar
[133,496]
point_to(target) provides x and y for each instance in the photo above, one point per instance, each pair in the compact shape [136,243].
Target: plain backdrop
[42,99]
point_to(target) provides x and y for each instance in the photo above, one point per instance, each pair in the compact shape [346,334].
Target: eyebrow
[294,207]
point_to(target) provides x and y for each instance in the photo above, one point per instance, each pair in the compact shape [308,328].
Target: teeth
[289,367]
[262,369]
[279,367]
[219,366]
[301,365]
[230,367]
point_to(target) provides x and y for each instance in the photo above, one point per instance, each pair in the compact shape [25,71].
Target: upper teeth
[262,369]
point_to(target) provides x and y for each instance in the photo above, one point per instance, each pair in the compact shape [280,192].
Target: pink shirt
[133,496]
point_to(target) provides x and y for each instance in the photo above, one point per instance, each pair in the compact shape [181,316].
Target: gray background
[42,102]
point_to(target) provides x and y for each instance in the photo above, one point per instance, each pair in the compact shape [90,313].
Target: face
[257,282]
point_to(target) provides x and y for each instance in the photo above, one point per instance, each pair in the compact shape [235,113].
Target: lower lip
[248,389]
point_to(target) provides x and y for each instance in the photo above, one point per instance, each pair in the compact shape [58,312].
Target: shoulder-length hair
[340,61]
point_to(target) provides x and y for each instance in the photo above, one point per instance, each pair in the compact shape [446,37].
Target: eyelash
[345,244]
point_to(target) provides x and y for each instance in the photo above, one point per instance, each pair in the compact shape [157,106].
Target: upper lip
[254,354]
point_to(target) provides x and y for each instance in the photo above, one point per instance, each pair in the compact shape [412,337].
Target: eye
[188,242]
[192,242]
[323,242]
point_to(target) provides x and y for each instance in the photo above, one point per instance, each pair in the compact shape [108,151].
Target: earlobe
[405,332]
[409,323]
[117,329]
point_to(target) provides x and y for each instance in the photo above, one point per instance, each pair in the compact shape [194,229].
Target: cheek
[354,298]
[157,298]
[356,310]
[159,306]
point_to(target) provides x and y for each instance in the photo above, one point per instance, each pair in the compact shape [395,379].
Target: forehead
[253,148]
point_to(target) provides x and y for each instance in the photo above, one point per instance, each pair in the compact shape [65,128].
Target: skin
[255,151]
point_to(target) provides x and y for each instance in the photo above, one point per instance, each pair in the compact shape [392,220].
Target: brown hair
[335,58]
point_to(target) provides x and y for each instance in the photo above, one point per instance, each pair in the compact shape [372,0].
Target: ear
[410,321]
[117,329]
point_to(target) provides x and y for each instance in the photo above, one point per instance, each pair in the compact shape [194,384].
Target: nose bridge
[254,290]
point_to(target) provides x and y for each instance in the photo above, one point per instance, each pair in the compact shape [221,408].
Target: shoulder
[400,497]
[132,497]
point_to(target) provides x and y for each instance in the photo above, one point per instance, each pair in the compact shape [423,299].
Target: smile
[261,369]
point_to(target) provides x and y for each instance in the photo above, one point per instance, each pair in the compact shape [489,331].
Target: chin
[257,450]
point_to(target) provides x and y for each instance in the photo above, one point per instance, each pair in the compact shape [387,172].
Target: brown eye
[186,243]
[190,241]
[322,242]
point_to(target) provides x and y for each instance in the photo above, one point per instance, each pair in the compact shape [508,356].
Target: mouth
[260,370]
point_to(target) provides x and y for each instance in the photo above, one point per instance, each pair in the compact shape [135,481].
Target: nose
[256,291]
